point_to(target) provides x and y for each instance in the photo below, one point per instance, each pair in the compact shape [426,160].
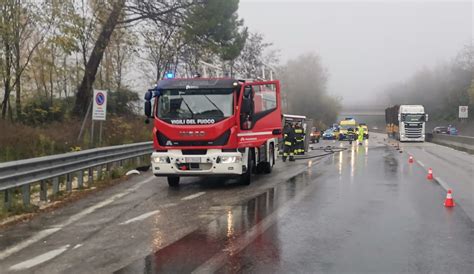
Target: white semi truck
[406,122]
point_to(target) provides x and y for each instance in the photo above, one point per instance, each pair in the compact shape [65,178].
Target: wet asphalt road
[357,211]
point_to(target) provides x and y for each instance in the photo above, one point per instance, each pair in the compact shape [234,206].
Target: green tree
[216,25]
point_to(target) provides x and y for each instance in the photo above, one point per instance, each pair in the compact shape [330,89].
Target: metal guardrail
[465,143]
[23,173]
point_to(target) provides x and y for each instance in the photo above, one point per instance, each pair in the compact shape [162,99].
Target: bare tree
[20,38]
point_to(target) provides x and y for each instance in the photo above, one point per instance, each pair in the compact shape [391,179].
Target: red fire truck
[223,127]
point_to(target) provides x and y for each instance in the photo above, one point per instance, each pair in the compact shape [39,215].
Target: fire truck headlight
[230,159]
[160,159]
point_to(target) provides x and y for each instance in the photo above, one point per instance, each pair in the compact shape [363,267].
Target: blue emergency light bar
[169,75]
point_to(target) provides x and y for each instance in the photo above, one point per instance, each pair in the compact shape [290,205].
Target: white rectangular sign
[463,111]
[99,106]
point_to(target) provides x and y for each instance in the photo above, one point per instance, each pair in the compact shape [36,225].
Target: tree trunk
[84,92]
[7,80]
[51,82]
[17,74]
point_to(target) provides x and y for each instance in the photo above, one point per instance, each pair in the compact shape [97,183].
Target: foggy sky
[365,45]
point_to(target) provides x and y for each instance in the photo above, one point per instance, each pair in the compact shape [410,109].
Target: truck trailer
[221,127]
[406,122]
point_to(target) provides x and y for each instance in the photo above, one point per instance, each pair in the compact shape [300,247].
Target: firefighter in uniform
[288,142]
[360,136]
[299,136]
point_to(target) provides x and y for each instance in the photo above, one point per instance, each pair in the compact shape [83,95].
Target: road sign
[463,112]
[99,108]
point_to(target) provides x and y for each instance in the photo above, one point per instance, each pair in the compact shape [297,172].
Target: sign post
[463,112]
[99,112]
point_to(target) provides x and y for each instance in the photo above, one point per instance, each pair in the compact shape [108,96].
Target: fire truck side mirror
[247,92]
[148,95]
[246,105]
[148,109]
[426,117]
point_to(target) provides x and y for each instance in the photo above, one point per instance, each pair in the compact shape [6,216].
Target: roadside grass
[19,141]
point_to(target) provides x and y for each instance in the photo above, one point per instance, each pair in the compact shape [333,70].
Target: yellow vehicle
[344,126]
[366,130]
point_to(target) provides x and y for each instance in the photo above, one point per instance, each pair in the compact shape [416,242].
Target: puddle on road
[196,248]
[390,164]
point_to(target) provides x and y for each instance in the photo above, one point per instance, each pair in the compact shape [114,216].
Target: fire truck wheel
[246,178]
[173,181]
[268,166]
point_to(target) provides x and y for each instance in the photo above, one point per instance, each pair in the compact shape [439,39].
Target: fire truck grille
[220,141]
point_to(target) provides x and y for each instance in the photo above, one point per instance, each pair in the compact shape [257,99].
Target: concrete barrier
[465,143]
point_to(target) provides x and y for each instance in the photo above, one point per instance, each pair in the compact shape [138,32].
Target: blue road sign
[100,98]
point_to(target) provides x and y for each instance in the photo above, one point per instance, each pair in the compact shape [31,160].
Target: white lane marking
[442,183]
[141,217]
[193,196]
[45,233]
[77,246]
[220,258]
[254,133]
[37,237]
[40,259]
[168,205]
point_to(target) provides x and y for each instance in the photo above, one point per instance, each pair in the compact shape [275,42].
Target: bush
[39,111]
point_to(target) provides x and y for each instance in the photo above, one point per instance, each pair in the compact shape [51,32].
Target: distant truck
[406,122]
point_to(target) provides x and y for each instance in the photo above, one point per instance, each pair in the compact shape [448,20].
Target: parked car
[329,135]
[440,130]
[315,135]
[452,131]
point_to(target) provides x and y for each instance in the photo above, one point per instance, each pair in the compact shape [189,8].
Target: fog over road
[365,45]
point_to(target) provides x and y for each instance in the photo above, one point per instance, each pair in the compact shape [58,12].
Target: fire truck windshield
[193,104]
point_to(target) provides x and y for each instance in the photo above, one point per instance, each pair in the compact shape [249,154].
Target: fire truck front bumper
[215,162]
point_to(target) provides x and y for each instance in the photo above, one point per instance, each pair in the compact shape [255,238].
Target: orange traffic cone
[449,202]
[430,174]
[410,159]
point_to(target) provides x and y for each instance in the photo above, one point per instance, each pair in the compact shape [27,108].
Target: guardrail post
[7,198]
[43,191]
[68,182]
[99,172]
[25,193]
[108,168]
[90,175]
[80,179]
[55,186]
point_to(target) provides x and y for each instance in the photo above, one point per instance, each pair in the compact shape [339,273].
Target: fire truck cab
[223,127]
